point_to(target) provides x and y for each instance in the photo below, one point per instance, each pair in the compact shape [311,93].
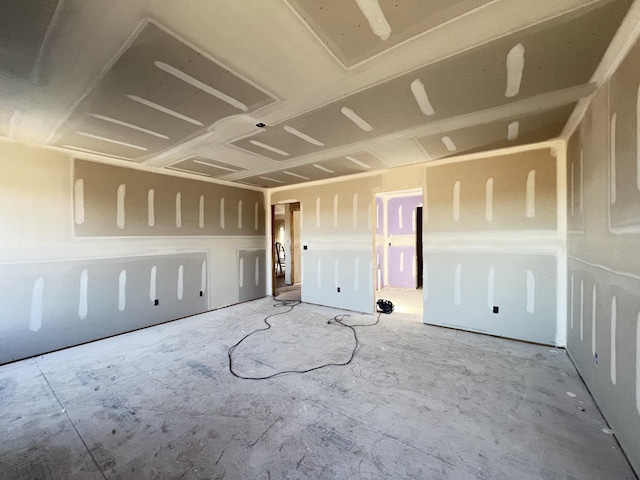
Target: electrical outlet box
[304,248]
[496,309]
[338,289]
[156,302]
[201,293]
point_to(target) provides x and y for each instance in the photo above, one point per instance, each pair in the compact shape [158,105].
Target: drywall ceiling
[336,87]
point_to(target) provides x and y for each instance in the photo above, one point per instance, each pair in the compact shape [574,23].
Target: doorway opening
[398,256]
[285,228]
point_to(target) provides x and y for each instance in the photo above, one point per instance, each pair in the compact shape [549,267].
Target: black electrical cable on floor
[290,304]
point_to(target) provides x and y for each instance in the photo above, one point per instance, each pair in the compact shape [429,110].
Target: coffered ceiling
[277,92]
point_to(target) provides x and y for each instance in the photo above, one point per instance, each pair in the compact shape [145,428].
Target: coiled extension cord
[290,305]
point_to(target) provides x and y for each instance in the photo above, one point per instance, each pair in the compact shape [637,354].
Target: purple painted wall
[401,267]
[400,214]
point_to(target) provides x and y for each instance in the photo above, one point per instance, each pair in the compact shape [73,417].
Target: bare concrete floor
[405,300]
[417,402]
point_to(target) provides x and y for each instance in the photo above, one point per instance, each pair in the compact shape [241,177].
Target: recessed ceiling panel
[505,133]
[558,54]
[331,168]
[158,93]
[205,166]
[356,30]
[23,27]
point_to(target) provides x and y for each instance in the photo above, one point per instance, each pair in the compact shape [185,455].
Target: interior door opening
[398,257]
[287,278]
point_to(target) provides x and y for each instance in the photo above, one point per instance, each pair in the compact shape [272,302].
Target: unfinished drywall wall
[51,305]
[85,252]
[111,201]
[491,239]
[603,283]
[337,240]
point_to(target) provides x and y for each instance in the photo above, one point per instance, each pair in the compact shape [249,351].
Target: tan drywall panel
[557,55]
[329,220]
[336,167]
[603,282]
[35,183]
[6,116]
[623,155]
[603,342]
[52,305]
[23,29]
[596,145]
[403,178]
[457,194]
[158,73]
[296,248]
[205,166]
[461,289]
[336,221]
[575,182]
[42,261]
[344,29]
[527,129]
[181,207]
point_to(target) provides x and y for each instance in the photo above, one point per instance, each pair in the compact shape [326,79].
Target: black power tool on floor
[385,306]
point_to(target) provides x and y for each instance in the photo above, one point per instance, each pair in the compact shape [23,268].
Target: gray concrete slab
[417,401]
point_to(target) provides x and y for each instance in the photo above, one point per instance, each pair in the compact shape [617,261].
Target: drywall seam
[621,43]
[496,235]
[214,60]
[583,376]
[561,298]
[87,238]
[396,45]
[71,191]
[146,253]
[557,144]
[572,300]
[613,359]
[531,292]
[562,268]
[89,157]
[437,27]
[128,42]
[491,282]
[493,250]
[37,305]
[78,201]
[489,200]
[308,159]
[602,267]
[611,169]
[638,363]
[125,46]
[268,243]
[521,107]
[287,243]
[83,305]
